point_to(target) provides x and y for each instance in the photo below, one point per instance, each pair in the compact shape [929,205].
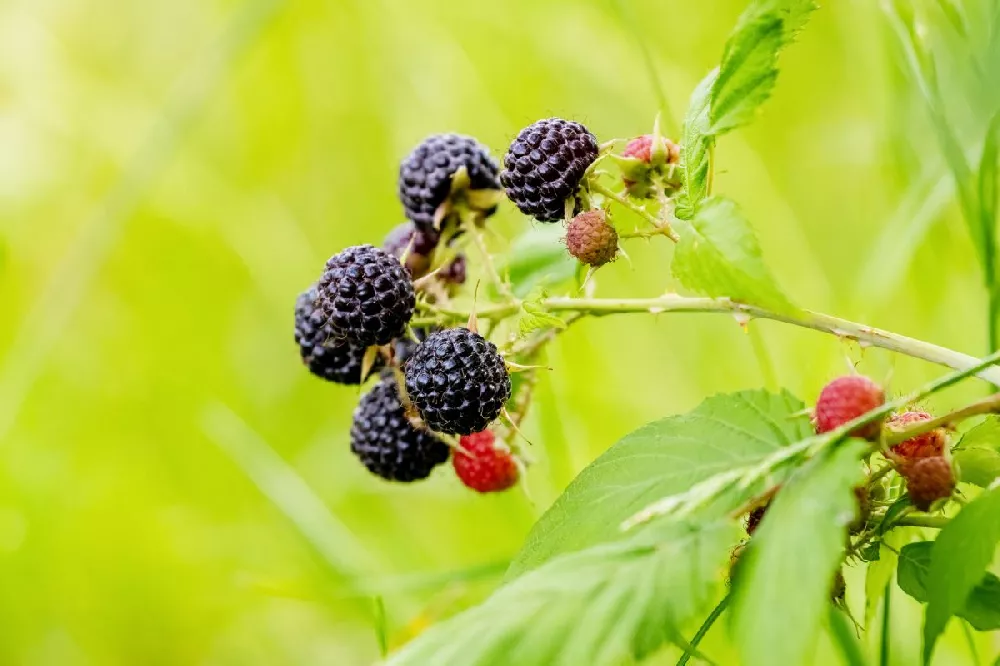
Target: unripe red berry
[483,465]
[845,399]
[591,239]
[928,480]
[928,445]
[641,148]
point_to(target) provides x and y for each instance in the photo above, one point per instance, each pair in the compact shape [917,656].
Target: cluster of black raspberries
[354,321]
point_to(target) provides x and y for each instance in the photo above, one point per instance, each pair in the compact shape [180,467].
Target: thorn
[517,367]
[513,426]
[624,254]
[586,279]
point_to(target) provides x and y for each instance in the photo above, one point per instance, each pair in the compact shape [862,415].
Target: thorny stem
[988,405]
[936,522]
[635,208]
[646,233]
[670,303]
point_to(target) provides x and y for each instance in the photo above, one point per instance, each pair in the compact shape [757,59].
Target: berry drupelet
[457,381]
[544,166]
[366,296]
[335,361]
[387,442]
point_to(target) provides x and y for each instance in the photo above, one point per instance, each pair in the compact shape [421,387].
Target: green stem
[936,522]
[635,208]
[703,629]
[883,659]
[989,405]
[842,328]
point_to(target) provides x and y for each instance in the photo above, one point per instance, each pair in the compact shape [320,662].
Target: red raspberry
[927,480]
[591,239]
[929,445]
[484,466]
[846,398]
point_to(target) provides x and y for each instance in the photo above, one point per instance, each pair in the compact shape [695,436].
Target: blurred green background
[176,489]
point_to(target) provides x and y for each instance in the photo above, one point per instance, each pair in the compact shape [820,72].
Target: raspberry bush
[807,497]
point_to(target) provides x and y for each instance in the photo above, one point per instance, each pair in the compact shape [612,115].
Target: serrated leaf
[661,459]
[961,553]
[718,255]
[749,66]
[790,563]
[984,435]
[535,317]
[748,73]
[599,606]
[696,144]
[538,259]
[981,608]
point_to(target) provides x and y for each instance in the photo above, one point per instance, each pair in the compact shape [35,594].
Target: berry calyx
[644,163]
[425,176]
[591,239]
[928,480]
[845,399]
[387,443]
[457,381]
[544,166]
[326,357]
[366,296]
[928,445]
[484,465]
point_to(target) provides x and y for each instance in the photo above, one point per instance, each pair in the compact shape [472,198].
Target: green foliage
[846,637]
[598,606]
[961,553]
[978,453]
[718,255]
[658,460]
[534,317]
[696,146]
[981,607]
[789,566]
[538,259]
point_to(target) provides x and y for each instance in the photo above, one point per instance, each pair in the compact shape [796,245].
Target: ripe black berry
[335,361]
[425,175]
[544,166]
[385,440]
[457,381]
[366,295]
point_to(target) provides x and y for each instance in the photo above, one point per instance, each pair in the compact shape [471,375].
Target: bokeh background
[176,489]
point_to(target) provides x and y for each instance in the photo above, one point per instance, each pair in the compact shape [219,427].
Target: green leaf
[718,255]
[661,459]
[535,317]
[981,608]
[748,73]
[979,466]
[599,606]
[961,553]
[538,259]
[984,435]
[791,561]
[696,145]
[749,67]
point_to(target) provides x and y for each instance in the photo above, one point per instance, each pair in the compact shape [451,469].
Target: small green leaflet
[961,553]
[978,454]
[600,606]
[661,459]
[718,255]
[789,566]
[981,608]
[534,317]
[538,258]
[695,149]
